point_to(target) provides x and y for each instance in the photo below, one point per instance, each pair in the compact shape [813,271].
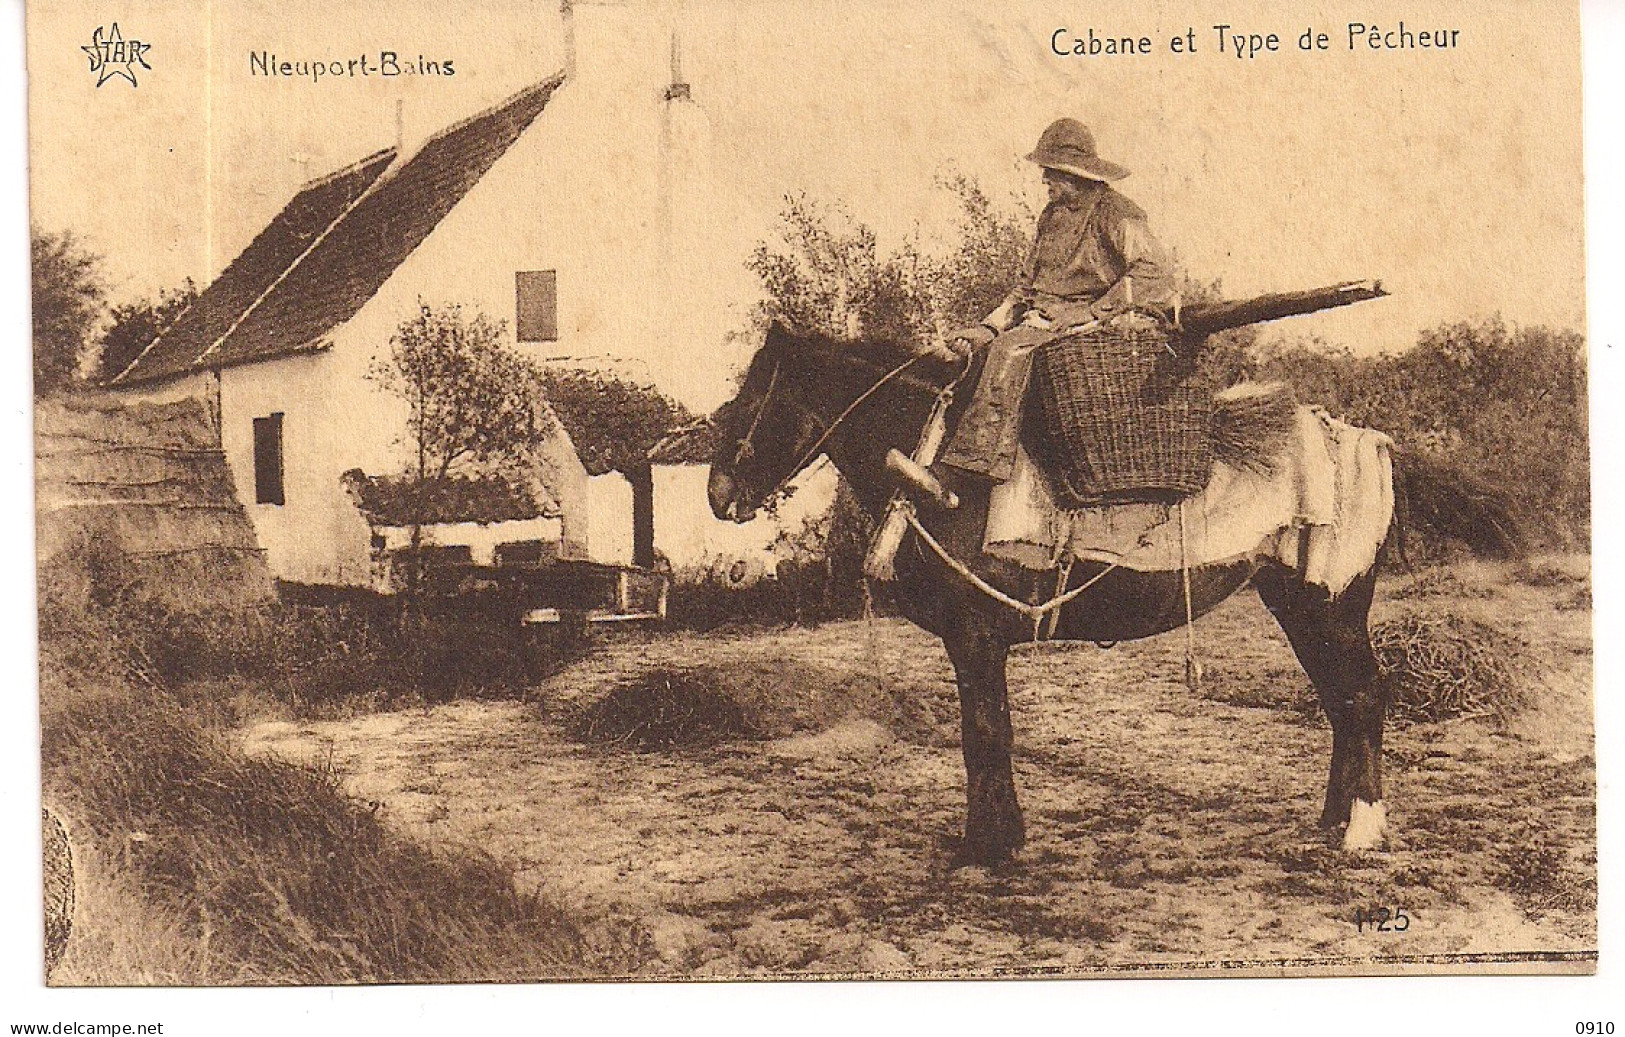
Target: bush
[311,654]
[1504,407]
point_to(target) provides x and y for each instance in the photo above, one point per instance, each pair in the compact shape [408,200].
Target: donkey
[805,396]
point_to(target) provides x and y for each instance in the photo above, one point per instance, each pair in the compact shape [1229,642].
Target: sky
[1453,175]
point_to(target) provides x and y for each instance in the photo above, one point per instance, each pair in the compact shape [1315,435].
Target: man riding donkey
[1145,501]
[1094,264]
[1095,342]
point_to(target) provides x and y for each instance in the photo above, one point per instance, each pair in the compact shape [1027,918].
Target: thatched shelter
[150,480]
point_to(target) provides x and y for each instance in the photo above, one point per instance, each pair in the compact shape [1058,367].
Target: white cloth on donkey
[1323,508]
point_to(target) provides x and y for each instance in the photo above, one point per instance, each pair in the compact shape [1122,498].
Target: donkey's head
[803,397]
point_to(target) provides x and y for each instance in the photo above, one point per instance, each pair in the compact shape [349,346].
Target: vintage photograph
[707,489]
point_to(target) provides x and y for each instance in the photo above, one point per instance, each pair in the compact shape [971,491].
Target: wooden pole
[879,564]
[1207,318]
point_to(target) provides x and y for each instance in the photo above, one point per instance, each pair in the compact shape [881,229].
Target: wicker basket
[1121,418]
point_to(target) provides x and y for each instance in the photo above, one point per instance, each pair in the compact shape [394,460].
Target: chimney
[567,15]
[678,88]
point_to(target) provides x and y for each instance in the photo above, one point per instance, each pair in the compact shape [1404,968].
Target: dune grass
[200,865]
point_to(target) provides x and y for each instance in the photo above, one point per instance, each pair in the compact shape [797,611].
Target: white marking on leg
[1368,823]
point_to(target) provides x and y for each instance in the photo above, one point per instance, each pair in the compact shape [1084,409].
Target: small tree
[825,274]
[68,299]
[475,404]
[133,326]
[474,407]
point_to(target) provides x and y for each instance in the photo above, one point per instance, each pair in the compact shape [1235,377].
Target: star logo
[113,55]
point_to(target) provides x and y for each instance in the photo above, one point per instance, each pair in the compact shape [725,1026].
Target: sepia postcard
[678,490]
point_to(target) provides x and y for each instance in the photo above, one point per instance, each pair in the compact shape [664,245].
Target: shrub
[1504,406]
[307,652]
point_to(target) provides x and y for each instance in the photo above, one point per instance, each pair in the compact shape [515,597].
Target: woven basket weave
[1122,420]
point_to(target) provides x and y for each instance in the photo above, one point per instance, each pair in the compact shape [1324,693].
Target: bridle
[747,445]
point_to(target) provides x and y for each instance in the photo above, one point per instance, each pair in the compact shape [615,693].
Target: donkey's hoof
[1368,826]
[984,851]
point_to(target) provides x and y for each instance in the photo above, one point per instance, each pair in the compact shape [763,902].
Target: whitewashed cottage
[571,210]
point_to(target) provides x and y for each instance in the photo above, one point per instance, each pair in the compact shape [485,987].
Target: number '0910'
[1593,1028]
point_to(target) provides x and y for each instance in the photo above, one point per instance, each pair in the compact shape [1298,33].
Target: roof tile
[312,211]
[284,294]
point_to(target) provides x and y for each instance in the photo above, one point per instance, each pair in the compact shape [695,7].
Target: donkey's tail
[1439,497]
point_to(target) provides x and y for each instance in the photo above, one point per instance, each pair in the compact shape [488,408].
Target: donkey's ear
[777,337]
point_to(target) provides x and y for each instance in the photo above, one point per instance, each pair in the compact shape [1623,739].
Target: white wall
[317,535]
[609,519]
[609,186]
[694,540]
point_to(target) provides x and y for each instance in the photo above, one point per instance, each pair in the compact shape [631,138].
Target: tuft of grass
[281,876]
[1442,667]
[212,867]
[1546,573]
[1579,601]
[1544,875]
[1439,582]
[121,937]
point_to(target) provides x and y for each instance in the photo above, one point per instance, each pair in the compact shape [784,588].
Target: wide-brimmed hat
[1069,147]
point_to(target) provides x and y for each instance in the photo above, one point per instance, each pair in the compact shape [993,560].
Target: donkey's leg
[993,828]
[1333,644]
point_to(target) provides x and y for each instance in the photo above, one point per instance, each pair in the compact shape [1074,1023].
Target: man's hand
[966,341]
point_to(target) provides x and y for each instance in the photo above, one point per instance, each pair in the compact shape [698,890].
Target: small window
[268,460]
[537,293]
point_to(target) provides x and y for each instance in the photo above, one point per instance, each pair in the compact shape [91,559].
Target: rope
[818,443]
[748,448]
[1063,573]
[1035,613]
[1193,668]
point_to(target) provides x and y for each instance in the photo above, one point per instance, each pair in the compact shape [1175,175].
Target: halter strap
[747,448]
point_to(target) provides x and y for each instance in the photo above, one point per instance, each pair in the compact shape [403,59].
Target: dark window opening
[268,460]
[537,305]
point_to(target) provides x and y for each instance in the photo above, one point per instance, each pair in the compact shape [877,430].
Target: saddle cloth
[1323,508]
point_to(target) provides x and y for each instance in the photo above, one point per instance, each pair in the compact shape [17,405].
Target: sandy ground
[1165,829]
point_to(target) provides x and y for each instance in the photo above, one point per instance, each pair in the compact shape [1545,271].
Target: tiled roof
[211,315]
[316,288]
[403,501]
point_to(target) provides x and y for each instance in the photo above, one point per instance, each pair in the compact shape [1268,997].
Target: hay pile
[663,709]
[1444,667]
[150,480]
[758,690]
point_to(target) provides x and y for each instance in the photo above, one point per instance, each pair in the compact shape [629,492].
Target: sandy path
[1163,828]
